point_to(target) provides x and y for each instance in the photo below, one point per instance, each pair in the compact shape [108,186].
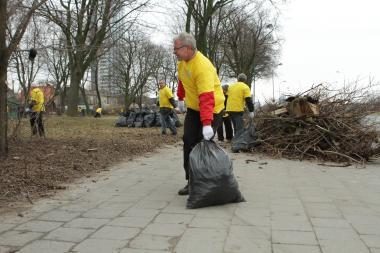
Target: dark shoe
[175,133]
[163,133]
[184,190]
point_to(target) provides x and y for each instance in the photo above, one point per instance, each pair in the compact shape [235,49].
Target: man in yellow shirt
[98,112]
[166,101]
[36,104]
[200,86]
[238,94]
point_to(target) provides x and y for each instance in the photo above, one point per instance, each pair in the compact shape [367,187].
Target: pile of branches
[340,133]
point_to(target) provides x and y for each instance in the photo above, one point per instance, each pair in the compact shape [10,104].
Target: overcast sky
[331,41]
[326,41]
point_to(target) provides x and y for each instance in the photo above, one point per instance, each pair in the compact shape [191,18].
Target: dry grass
[73,148]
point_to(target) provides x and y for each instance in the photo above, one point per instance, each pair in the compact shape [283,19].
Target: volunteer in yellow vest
[166,101]
[36,104]
[226,126]
[238,95]
[98,112]
[200,86]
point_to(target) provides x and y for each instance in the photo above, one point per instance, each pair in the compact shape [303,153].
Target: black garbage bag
[212,181]
[149,119]
[121,121]
[139,120]
[245,139]
[158,120]
[175,118]
[131,119]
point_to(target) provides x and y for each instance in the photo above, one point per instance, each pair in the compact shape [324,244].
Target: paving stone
[330,223]
[245,217]
[129,250]
[69,234]
[372,241]
[140,212]
[151,204]
[116,233]
[202,222]
[165,229]
[18,238]
[99,213]
[293,237]
[137,222]
[248,239]
[89,223]
[173,218]
[39,226]
[5,227]
[297,223]
[59,215]
[5,249]
[338,234]
[47,246]
[352,246]
[201,240]
[293,248]
[99,246]
[367,229]
[151,242]
[372,250]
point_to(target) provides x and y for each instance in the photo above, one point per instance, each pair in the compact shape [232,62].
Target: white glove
[251,115]
[207,132]
[181,105]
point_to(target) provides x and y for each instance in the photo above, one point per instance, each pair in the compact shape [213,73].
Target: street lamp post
[273,80]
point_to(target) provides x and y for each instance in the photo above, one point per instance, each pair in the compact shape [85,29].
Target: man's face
[161,84]
[181,51]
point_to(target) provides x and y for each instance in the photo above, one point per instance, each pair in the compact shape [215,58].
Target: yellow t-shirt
[38,96]
[237,93]
[99,110]
[164,95]
[199,76]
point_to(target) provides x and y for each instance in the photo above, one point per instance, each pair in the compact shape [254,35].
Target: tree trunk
[96,82]
[4,56]
[3,108]
[75,79]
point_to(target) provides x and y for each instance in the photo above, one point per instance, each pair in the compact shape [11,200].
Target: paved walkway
[297,207]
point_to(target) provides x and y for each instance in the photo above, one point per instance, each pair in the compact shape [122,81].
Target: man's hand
[181,105]
[207,132]
[251,115]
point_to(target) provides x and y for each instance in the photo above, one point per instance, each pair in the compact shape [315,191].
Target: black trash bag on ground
[158,119]
[212,181]
[139,120]
[175,118]
[245,139]
[131,119]
[149,119]
[121,121]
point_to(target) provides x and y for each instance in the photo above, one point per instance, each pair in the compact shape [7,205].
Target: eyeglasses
[178,48]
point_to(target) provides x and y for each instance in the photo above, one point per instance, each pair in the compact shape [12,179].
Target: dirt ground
[73,148]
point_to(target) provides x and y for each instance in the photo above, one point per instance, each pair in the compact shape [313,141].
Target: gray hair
[187,39]
[242,77]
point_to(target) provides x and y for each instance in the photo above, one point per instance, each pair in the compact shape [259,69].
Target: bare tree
[57,65]
[202,11]
[14,19]
[249,43]
[27,68]
[86,26]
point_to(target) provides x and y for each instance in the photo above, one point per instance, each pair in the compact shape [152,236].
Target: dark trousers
[237,121]
[37,124]
[225,126]
[167,121]
[192,134]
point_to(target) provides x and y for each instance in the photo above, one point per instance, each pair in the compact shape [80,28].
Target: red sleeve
[180,91]
[206,107]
